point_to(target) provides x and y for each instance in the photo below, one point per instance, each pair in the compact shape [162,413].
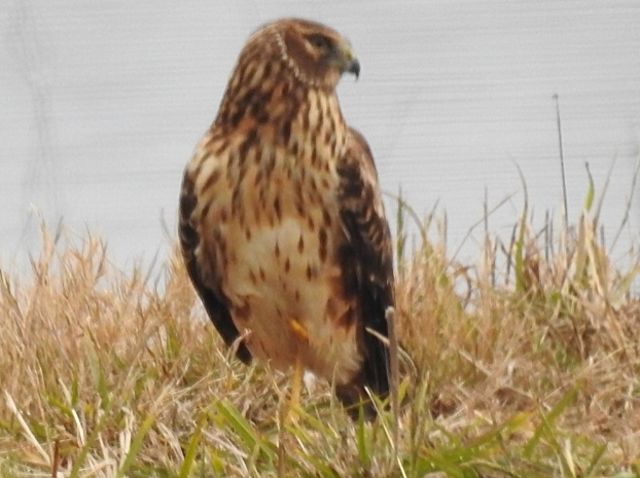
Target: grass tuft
[524,364]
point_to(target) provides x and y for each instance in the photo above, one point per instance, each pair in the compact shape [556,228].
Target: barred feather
[281,222]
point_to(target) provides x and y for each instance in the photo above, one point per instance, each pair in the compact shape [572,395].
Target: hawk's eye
[319,41]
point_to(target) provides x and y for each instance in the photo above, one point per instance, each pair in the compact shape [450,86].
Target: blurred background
[102,103]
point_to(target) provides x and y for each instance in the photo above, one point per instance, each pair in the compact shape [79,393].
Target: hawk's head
[316,54]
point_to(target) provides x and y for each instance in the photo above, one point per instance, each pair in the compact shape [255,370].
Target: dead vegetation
[526,364]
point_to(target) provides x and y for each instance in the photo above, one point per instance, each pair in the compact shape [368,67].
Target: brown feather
[367,263]
[281,225]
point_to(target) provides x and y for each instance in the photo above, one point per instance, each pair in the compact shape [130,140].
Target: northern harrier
[282,225]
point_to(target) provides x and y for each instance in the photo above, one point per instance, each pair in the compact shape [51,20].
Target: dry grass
[527,364]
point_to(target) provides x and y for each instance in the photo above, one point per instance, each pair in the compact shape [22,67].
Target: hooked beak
[348,62]
[353,66]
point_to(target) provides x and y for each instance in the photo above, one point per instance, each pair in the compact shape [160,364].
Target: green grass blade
[595,460]
[492,436]
[88,446]
[548,420]
[588,200]
[240,426]
[361,441]
[192,448]
[136,445]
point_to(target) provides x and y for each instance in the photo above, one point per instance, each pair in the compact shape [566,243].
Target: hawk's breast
[273,216]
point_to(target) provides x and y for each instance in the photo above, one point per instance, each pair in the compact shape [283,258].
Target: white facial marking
[290,62]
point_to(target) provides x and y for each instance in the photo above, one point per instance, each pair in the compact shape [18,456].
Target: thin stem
[564,179]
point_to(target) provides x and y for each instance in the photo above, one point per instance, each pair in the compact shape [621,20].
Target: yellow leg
[302,335]
[289,407]
[289,413]
[296,386]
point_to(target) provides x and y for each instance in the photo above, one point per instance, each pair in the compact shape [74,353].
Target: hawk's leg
[296,385]
[290,406]
[302,335]
[289,412]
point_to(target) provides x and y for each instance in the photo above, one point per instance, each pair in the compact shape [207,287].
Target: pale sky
[102,103]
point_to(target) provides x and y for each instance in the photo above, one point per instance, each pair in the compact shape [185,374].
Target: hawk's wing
[206,284]
[366,257]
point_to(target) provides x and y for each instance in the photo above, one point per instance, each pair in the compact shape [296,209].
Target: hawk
[282,226]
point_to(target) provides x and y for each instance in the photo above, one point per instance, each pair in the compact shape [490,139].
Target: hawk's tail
[374,376]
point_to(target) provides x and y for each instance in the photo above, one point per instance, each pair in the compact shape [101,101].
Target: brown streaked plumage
[282,226]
